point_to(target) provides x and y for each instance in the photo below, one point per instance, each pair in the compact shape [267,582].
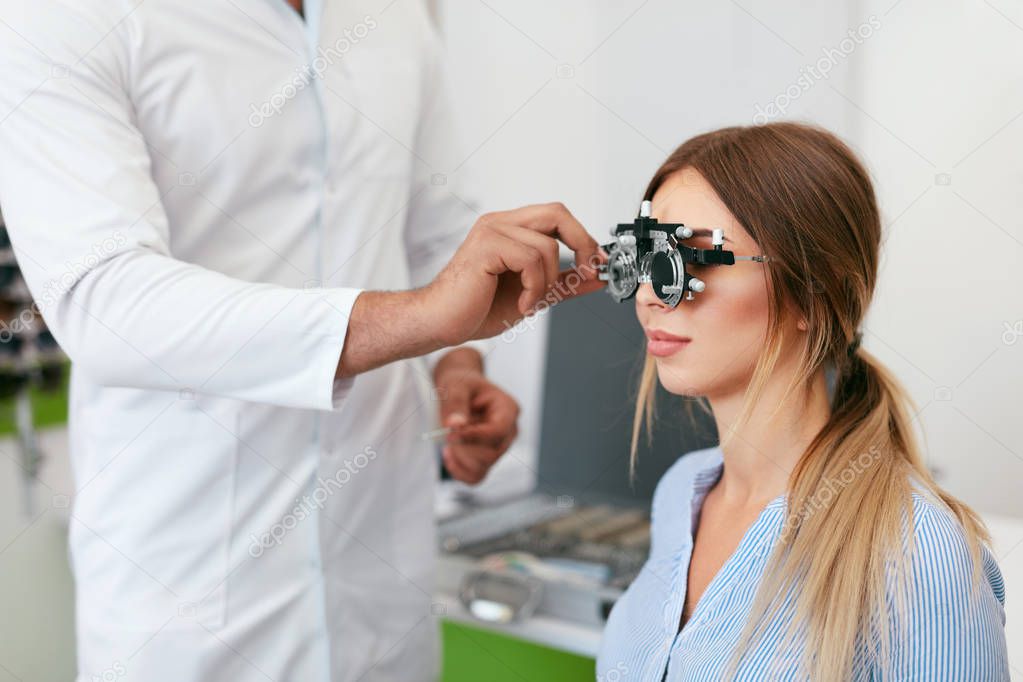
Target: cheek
[728,329]
[747,308]
[734,312]
[740,330]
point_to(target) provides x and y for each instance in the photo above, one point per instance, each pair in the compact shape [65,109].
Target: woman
[812,543]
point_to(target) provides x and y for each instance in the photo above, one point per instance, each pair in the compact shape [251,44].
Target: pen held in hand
[436,434]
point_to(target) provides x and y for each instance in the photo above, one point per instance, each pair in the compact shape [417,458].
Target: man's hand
[504,268]
[482,417]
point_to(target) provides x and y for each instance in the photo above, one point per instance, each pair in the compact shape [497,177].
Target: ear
[801,325]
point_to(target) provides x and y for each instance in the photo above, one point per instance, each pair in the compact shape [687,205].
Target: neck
[296,4]
[762,453]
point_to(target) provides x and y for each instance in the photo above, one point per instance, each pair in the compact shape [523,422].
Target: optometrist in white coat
[233,214]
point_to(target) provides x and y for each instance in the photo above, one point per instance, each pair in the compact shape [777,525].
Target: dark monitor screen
[594,361]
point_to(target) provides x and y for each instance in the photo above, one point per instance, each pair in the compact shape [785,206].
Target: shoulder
[92,18]
[953,622]
[941,552]
[53,38]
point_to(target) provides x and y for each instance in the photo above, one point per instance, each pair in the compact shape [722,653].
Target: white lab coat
[195,219]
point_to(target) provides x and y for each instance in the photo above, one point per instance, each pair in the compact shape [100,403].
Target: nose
[646,297]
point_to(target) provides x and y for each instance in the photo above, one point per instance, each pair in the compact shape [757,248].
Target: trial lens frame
[648,251]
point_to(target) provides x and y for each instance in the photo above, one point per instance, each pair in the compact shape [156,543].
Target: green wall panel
[476,655]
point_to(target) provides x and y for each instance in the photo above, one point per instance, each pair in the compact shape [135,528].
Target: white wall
[939,113]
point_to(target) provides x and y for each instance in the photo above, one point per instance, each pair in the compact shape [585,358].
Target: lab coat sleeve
[91,236]
[442,210]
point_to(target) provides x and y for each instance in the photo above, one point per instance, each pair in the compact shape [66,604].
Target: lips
[662,344]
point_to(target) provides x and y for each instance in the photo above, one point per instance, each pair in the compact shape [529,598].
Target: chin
[677,381]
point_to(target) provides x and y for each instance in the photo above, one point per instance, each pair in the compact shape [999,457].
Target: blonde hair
[805,199]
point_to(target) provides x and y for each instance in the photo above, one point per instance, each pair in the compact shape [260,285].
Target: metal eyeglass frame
[648,251]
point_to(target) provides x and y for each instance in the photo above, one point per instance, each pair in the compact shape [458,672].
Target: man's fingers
[576,285]
[455,467]
[485,434]
[500,420]
[546,246]
[455,405]
[476,459]
[569,283]
[490,435]
[515,256]
[463,466]
[557,221]
[507,440]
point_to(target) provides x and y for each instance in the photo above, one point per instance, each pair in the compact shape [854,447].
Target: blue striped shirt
[950,636]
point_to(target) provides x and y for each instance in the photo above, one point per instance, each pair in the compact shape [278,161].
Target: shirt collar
[709,471]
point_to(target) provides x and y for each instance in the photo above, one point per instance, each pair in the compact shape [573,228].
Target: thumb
[577,285]
[454,407]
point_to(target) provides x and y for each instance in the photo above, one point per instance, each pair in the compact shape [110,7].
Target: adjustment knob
[696,285]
